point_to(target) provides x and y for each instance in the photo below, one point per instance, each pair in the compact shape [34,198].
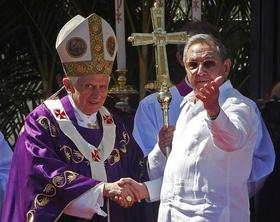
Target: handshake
[125,191]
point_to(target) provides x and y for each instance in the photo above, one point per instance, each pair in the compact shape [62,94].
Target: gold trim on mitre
[86,68]
[102,48]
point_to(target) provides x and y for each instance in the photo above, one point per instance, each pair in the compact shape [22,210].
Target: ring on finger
[128,198]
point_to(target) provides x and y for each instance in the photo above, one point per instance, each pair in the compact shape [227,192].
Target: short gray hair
[209,40]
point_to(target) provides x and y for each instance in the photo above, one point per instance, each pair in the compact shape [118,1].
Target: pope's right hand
[121,193]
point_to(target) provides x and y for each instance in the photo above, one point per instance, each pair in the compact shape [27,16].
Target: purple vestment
[48,171]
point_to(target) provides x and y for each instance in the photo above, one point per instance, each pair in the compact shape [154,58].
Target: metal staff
[164,98]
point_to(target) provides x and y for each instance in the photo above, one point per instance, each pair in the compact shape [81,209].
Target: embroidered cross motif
[107,119]
[59,114]
[95,155]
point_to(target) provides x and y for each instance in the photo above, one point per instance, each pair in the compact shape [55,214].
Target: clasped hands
[125,191]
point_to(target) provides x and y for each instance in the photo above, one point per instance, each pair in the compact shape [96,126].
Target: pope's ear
[68,85]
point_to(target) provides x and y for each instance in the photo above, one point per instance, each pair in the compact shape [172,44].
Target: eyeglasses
[206,65]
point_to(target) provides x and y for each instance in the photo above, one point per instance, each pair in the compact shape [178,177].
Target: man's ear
[227,65]
[68,85]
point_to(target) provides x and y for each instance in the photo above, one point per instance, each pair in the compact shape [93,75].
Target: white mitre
[87,46]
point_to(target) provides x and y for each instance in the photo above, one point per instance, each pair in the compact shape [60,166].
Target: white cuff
[156,163]
[154,187]
[87,204]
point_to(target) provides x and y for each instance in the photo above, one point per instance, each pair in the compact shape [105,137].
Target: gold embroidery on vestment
[47,125]
[65,178]
[72,154]
[30,216]
[115,156]
[43,199]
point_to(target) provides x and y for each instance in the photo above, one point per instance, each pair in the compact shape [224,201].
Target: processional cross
[159,38]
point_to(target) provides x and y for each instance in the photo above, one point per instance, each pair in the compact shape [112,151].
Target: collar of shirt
[87,121]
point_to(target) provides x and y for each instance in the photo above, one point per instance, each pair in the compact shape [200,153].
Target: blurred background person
[5,164]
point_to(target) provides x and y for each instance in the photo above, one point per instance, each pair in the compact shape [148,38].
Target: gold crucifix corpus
[160,39]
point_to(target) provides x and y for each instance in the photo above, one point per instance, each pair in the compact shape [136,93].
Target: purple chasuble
[48,171]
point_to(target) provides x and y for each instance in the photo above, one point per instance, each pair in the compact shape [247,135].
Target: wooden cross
[159,38]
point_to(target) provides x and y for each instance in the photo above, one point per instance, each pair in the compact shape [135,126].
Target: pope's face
[90,92]
[203,64]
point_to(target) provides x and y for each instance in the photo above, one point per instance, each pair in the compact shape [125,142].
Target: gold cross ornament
[159,38]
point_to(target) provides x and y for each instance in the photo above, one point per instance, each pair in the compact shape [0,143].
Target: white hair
[74,79]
